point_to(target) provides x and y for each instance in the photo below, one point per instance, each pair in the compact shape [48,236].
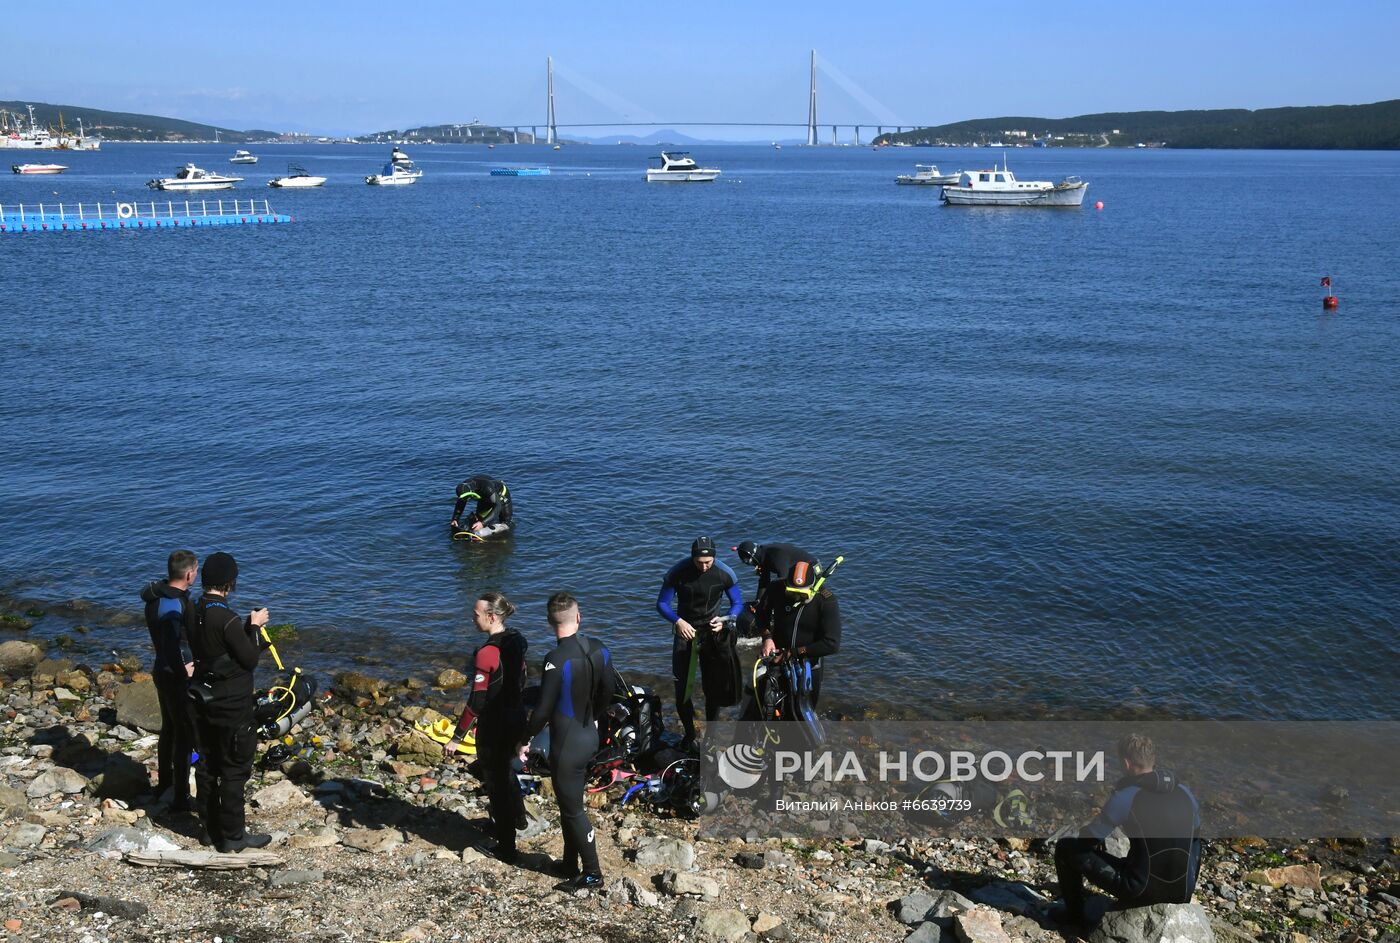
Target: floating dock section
[150,214]
[520,172]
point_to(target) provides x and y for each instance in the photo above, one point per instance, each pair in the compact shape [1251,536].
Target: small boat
[557,146]
[399,174]
[297,177]
[38,168]
[927,175]
[1001,188]
[243,157]
[680,167]
[520,171]
[777,146]
[190,177]
[397,156]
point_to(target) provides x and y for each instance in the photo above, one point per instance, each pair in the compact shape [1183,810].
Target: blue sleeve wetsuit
[576,686]
[686,593]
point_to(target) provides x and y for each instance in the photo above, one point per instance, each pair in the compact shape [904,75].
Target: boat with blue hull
[186,214]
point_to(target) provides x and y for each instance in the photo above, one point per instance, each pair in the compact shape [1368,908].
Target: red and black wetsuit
[494,705]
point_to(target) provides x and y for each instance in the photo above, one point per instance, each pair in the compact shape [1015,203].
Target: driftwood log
[212,860]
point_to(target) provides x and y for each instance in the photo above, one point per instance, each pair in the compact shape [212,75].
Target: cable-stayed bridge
[814,128]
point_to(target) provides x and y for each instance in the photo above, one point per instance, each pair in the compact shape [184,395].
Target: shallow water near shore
[1075,459]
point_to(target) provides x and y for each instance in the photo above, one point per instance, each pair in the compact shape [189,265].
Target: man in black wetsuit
[226,650]
[167,602]
[492,514]
[577,684]
[801,622]
[772,562]
[1162,821]
[697,595]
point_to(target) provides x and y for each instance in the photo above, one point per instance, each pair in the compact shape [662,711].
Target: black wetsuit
[1162,821]
[686,593]
[166,609]
[498,678]
[226,652]
[577,684]
[492,502]
[775,561]
[818,627]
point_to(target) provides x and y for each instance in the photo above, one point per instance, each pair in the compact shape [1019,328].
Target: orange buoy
[1098,205]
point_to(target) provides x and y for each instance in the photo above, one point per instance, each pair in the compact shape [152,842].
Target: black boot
[584,882]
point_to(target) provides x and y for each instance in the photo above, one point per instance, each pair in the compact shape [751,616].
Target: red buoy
[1329,303]
[1098,205]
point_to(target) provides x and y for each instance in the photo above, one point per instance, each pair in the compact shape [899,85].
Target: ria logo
[741,766]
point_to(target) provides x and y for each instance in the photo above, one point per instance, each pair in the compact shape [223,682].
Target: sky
[351,67]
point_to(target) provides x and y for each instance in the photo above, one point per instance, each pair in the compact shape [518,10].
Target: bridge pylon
[812,106]
[550,130]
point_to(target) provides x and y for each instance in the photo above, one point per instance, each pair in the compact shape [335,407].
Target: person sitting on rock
[1162,820]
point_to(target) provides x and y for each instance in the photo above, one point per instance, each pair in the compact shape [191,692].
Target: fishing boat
[999,187]
[14,135]
[190,177]
[680,167]
[243,157]
[399,174]
[38,168]
[298,177]
[927,175]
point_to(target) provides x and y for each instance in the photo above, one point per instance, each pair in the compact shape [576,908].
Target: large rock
[122,778]
[417,746]
[980,925]
[279,796]
[125,839]
[1293,875]
[376,841]
[352,684]
[722,925]
[948,904]
[1013,897]
[626,890]
[138,706]
[1160,923]
[18,657]
[323,837]
[683,883]
[59,779]
[12,801]
[929,932]
[47,671]
[26,835]
[913,909]
[449,679]
[666,853]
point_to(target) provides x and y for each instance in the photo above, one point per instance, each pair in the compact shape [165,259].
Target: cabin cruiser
[297,177]
[999,187]
[243,157]
[38,168]
[190,177]
[397,156]
[680,167]
[927,175]
[395,174]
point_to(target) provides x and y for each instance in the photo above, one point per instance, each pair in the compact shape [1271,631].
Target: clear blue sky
[355,66]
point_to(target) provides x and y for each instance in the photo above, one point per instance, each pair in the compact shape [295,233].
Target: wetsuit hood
[160,589]
[1157,780]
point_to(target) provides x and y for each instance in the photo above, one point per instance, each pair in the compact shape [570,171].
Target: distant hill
[1325,127]
[123,126]
[473,133]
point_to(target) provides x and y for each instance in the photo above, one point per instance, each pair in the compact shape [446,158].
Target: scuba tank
[284,705]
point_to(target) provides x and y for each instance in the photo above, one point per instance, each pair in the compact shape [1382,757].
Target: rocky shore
[376,838]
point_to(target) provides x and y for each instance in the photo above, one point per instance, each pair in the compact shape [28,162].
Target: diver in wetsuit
[1162,821]
[772,562]
[693,595]
[801,623]
[494,705]
[577,685]
[493,512]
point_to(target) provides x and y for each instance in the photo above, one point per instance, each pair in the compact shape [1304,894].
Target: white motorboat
[243,157]
[927,175]
[397,156]
[38,168]
[999,187]
[297,178]
[190,177]
[680,167]
[399,174]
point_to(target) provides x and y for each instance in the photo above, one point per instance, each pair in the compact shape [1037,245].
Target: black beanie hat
[220,569]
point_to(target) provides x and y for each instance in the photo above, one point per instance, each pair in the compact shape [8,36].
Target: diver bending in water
[492,514]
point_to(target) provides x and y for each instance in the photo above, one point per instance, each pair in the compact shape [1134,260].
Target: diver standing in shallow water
[493,512]
[494,705]
[577,684]
[801,623]
[696,596]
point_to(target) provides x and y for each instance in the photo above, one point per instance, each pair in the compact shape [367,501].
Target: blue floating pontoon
[186,214]
[520,172]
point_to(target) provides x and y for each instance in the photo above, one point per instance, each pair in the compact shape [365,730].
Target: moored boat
[243,157]
[38,168]
[927,175]
[297,178]
[680,167]
[999,187]
[395,174]
[190,177]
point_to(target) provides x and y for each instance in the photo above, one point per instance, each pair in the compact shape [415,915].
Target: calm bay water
[1075,459]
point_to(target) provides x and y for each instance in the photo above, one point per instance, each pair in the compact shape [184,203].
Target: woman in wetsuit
[494,705]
